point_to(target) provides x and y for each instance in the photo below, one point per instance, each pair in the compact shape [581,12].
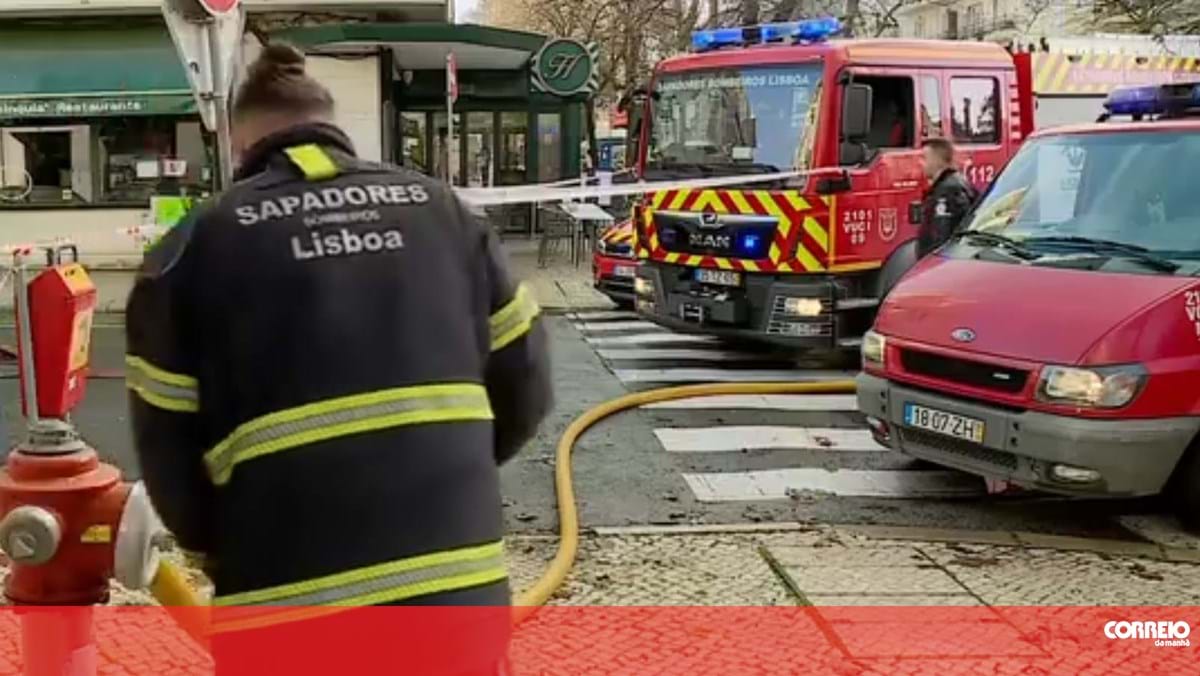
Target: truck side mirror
[914,213]
[856,112]
[833,185]
[852,154]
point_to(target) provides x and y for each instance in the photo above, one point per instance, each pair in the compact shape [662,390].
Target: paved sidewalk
[702,600]
[847,566]
[831,566]
[560,286]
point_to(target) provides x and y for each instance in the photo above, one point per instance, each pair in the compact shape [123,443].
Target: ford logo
[963,335]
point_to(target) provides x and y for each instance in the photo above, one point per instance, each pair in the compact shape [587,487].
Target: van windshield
[1098,193]
[739,118]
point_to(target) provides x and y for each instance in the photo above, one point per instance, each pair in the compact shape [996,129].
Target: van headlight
[1102,387]
[874,346]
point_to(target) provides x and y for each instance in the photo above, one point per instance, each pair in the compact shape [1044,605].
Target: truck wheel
[1184,489]
[895,267]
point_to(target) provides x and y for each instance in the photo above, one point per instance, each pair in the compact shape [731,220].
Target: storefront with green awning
[95,115]
[522,110]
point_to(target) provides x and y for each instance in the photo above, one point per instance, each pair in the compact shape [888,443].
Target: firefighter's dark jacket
[946,203]
[327,365]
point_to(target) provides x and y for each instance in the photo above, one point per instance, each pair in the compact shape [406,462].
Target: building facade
[1022,22]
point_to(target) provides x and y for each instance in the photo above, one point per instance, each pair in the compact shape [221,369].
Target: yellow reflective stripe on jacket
[386,582]
[514,319]
[312,159]
[161,388]
[344,416]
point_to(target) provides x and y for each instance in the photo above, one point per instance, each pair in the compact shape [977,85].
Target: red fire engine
[803,261]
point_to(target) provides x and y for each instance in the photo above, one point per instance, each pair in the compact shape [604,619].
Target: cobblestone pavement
[821,565]
[767,601]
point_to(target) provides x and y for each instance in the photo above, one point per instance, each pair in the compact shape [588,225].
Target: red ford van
[1054,342]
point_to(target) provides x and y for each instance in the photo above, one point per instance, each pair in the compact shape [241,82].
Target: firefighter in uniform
[327,364]
[948,199]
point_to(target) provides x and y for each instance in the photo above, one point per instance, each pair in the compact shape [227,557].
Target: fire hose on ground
[171,589]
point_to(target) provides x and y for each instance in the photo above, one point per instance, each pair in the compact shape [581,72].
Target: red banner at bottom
[605,640]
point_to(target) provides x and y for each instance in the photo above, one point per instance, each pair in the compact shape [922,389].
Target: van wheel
[1184,489]
[623,303]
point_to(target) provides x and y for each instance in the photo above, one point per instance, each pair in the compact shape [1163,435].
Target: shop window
[106,161]
[931,108]
[975,109]
[514,141]
[550,149]
[45,165]
[143,157]
[892,122]
[415,154]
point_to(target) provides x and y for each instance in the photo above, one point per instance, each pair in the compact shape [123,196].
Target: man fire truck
[1055,341]
[803,261]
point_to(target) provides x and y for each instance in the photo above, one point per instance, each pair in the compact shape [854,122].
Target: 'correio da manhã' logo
[564,67]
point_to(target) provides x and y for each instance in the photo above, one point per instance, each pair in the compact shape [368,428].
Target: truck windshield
[1129,195]
[744,117]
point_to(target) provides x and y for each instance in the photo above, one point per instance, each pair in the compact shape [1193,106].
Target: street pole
[220,97]
[449,122]
[25,331]
[451,146]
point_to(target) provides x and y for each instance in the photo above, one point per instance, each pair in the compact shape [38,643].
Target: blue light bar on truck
[809,30]
[1153,99]
[717,38]
[816,30]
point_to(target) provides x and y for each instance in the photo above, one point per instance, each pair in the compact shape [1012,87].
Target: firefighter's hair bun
[276,83]
[279,60]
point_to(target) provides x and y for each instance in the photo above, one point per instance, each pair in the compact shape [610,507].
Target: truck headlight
[643,287]
[1104,387]
[874,345]
[802,307]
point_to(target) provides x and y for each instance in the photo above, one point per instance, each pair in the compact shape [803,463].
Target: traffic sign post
[451,98]
[208,38]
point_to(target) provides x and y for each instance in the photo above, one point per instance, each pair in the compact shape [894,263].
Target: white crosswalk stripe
[717,375]
[612,327]
[707,434]
[652,339]
[675,354]
[604,315]
[730,437]
[764,402]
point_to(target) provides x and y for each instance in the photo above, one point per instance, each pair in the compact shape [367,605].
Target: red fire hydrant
[68,522]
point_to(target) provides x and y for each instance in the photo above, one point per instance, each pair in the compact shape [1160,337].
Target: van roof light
[1153,99]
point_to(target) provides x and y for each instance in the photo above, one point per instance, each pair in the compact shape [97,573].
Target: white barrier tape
[22,250]
[140,230]
[486,197]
